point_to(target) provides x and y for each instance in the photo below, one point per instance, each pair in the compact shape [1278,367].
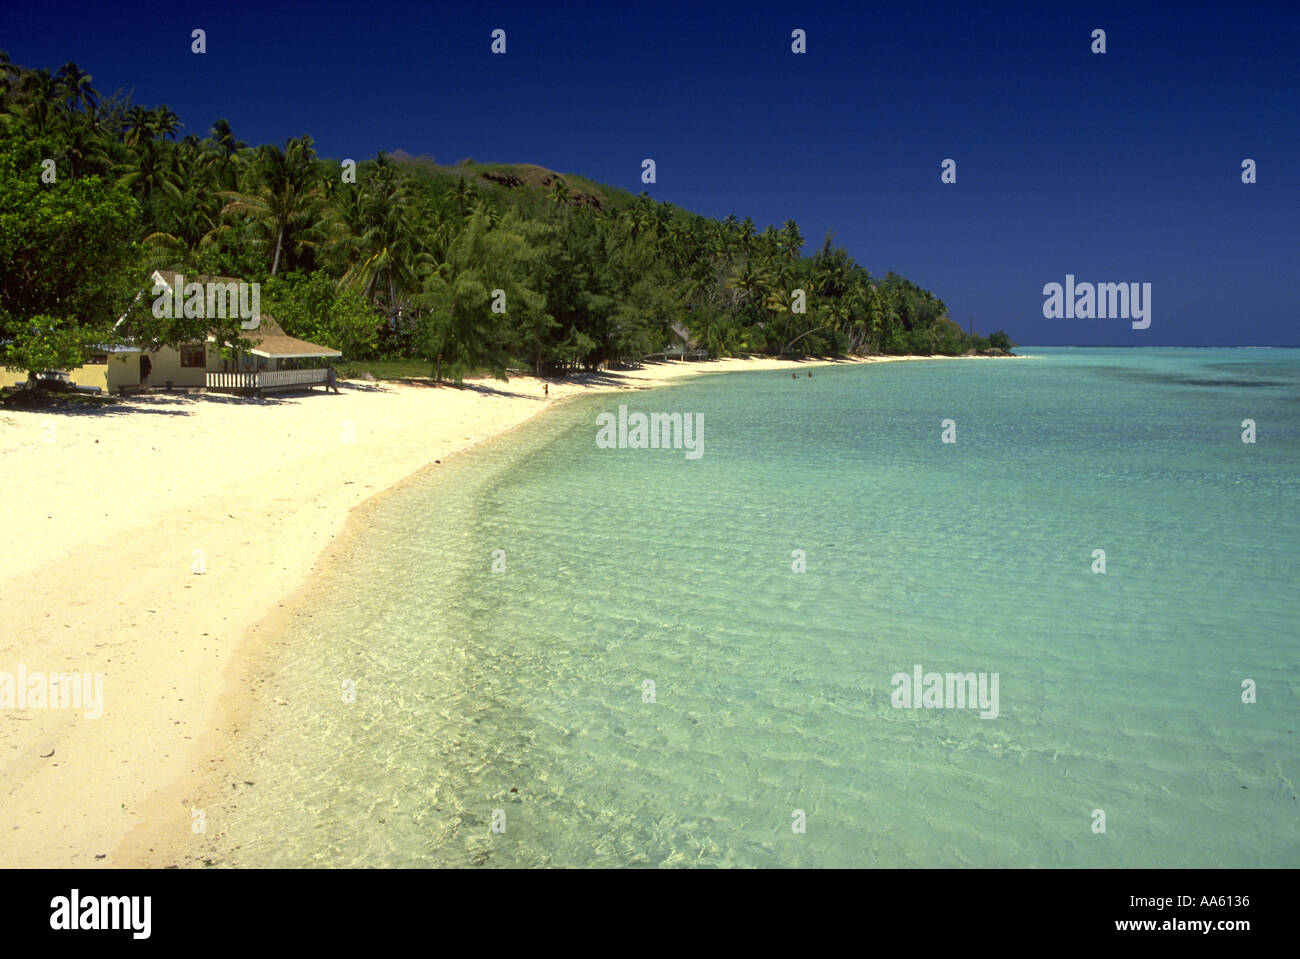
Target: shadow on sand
[158,404]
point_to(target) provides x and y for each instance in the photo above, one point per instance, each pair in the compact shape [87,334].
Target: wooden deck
[264,381]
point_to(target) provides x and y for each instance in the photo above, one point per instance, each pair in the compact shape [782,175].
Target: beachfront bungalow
[276,361]
[680,348]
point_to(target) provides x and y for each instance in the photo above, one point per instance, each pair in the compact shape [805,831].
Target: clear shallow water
[1119,692]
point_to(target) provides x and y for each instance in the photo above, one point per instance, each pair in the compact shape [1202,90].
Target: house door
[146,367]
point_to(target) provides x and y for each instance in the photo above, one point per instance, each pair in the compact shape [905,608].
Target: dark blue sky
[1123,167]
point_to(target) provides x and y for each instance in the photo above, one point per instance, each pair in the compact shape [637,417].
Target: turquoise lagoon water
[524,691]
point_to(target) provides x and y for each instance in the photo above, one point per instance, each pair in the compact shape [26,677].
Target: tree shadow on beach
[159,404]
[608,379]
[485,389]
[473,386]
[65,404]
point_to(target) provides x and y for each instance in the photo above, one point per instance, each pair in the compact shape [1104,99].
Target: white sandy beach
[104,517]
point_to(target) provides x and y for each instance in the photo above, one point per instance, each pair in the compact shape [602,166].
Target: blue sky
[1122,167]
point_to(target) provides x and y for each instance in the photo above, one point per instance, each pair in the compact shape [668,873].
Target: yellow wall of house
[88,374]
[124,369]
[91,374]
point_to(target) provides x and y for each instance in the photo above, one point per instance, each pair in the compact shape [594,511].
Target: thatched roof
[271,341]
[169,277]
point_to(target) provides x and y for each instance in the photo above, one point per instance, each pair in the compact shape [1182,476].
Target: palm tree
[85,149]
[287,197]
[189,210]
[641,214]
[752,280]
[462,194]
[560,192]
[36,99]
[74,83]
[790,240]
[138,126]
[387,257]
[747,233]
[720,243]
[195,220]
[664,215]
[675,244]
[486,210]
[347,220]
[438,240]
[11,77]
[8,71]
[166,123]
[225,138]
[150,172]
[224,150]
[39,84]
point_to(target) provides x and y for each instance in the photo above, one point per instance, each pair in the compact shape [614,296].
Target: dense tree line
[471,267]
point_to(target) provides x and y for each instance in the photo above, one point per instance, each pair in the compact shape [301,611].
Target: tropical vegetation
[473,267]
